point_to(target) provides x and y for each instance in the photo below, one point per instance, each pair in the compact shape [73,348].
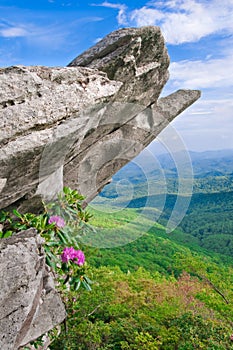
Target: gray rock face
[29,303]
[135,56]
[42,107]
[79,125]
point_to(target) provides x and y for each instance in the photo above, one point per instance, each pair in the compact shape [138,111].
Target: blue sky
[198,33]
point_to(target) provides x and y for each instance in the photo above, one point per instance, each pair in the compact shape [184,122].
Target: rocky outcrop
[74,126]
[29,303]
[78,125]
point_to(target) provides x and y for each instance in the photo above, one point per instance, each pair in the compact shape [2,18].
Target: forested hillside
[158,292]
[152,289]
[209,217]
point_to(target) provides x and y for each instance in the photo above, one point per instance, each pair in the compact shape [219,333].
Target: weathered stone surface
[39,105]
[135,56]
[103,158]
[25,292]
[36,98]
[83,122]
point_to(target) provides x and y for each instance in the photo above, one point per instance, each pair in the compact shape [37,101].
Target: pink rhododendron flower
[59,222]
[77,256]
[68,254]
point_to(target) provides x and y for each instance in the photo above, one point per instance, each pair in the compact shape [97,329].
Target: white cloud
[147,16]
[51,35]
[13,32]
[185,20]
[97,40]
[212,73]
[207,124]
[208,113]
[121,17]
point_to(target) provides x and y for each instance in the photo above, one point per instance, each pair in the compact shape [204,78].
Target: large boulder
[29,303]
[80,124]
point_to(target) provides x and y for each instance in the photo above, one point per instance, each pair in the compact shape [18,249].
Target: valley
[154,289]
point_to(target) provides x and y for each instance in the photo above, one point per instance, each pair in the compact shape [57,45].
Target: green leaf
[16,213]
[72,210]
[77,285]
[66,190]
[50,254]
[62,238]
[3,216]
[52,244]
[86,285]
[72,281]
[7,234]
[65,267]
[50,262]
[21,227]
[88,280]
[67,235]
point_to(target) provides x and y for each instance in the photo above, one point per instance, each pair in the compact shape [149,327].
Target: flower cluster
[57,220]
[77,256]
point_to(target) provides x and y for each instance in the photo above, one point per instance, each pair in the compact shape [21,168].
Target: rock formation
[29,303]
[82,123]
[75,126]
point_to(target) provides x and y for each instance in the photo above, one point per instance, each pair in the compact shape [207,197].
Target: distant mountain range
[210,171]
[209,162]
[151,183]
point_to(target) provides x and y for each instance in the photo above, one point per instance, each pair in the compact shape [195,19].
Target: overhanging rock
[82,123]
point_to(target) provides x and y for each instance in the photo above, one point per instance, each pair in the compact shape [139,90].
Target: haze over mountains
[203,183]
[210,171]
[202,162]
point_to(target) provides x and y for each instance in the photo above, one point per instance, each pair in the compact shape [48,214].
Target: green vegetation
[140,310]
[209,217]
[61,225]
[154,250]
[157,290]
[160,291]
[153,293]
